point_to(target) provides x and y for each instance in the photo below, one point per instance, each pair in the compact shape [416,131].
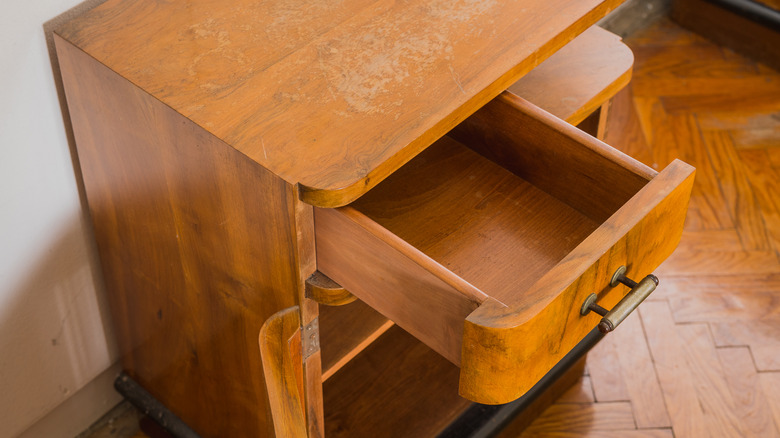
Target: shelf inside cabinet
[345,331]
[396,387]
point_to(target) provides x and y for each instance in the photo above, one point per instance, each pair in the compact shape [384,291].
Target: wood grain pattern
[325,291]
[195,240]
[580,77]
[345,331]
[737,191]
[389,279]
[612,386]
[723,98]
[635,372]
[770,385]
[580,392]
[543,326]
[357,87]
[554,156]
[397,387]
[280,349]
[750,402]
[677,350]
[427,226]
[596,417]
[585,432]
[557,390]
[481,222]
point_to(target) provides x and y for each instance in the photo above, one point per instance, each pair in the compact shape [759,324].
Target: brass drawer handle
[632,300]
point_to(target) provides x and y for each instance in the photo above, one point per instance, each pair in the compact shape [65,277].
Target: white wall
[55,332]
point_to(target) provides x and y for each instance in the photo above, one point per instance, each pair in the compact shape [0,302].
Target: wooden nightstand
[231,150]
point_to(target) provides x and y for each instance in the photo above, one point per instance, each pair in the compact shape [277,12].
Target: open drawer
[486,244]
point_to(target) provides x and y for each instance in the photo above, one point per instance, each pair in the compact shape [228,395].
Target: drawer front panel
[506,350]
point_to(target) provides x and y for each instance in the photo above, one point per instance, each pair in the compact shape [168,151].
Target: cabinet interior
[396,387]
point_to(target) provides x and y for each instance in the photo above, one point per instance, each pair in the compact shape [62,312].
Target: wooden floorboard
[702,356]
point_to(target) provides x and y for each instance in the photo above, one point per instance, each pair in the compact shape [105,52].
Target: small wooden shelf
[397,387]
[345,331]
[580,77]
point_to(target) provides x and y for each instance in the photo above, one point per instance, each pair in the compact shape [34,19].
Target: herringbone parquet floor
[702,356]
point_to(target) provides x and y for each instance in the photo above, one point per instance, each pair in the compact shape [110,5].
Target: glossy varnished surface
[280,349]
[580,77]
[334,95]
[198,248]
[480,221]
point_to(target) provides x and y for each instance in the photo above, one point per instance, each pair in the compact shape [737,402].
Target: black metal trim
[152,407]
[761,14]
[485,421]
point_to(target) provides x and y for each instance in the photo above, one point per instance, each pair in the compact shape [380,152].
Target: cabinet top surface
[332,94]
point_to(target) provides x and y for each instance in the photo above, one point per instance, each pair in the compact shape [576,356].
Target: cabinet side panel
[197,245]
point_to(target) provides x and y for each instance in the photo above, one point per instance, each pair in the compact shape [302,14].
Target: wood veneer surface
[347,330]
[480,221]
[332,95]
[580,77]
[397,387]
[190,280]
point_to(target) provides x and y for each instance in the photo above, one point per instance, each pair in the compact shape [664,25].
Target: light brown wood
[610,384]
[617,416]
[770,384]
[729,296]
[345,331]
[750,402]
[357,88]
[580,392]
[580,77]
[701,402]
[280,349]
[325,291]
[201,127]
[540,328]
[466,232]
[433,212]
[484,224]
[366,262]
[555,391]
[190,276]
[554,156]
[397,387]
[634,372]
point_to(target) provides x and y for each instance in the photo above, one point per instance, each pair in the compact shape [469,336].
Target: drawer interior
[477,209]
[487,225]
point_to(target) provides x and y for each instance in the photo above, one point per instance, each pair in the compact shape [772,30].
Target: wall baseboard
[81,410]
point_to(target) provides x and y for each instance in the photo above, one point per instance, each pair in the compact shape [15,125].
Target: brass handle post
[639,291]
